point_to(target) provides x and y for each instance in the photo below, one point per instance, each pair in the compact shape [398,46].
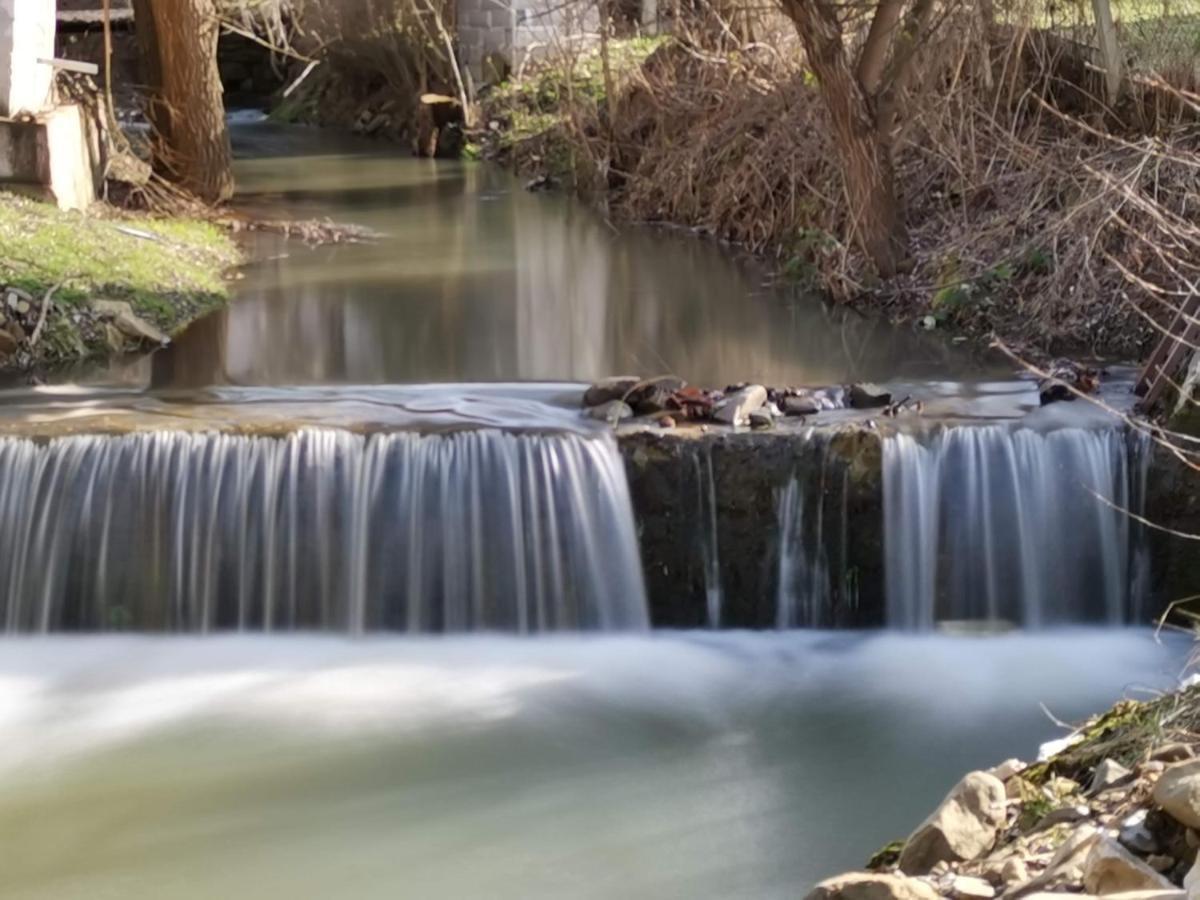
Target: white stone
[1109,774]
[966,886]
[1110,869]
[1178,792]
[26,35]
[735,409]
[872,886]
[963,826]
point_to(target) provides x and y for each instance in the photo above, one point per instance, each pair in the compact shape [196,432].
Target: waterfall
[710,553]
[460,531]
[813,575]
[1007,523]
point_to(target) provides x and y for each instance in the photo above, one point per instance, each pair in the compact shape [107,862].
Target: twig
[47,299]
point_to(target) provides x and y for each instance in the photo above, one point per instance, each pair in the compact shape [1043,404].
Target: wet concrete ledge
[687,485]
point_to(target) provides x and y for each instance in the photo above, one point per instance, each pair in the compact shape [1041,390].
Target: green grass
[166,277]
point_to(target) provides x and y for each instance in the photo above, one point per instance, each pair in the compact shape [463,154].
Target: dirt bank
[77,286]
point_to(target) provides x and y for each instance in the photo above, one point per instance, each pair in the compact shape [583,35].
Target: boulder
[609,389]
[963,826]
[872,886]
[735,409]
[761,418]
[1178,792]
[1111,869]
[128,322]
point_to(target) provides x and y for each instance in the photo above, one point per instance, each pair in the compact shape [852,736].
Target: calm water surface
[475,279]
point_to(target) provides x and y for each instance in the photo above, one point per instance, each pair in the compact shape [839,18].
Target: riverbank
[76,287]
[1036,225]
[1113,808]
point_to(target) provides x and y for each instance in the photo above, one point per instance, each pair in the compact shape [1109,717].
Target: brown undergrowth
[1035,213]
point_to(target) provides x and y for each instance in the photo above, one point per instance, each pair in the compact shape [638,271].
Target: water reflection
[475,279]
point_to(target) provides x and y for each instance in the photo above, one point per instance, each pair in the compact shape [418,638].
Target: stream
[340,596]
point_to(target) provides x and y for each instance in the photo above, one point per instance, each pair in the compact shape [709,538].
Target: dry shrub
[1034,212]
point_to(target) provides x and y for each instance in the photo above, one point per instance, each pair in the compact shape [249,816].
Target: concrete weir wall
[710,512]
[46,151]
[709,509]
[26,35]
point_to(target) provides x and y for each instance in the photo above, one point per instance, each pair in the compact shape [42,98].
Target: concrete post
[26,35]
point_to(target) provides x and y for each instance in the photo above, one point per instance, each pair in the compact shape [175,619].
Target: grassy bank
[1031,217]
[169,272]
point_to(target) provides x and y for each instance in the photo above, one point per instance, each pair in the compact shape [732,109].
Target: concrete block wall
[26,35]
[513,30]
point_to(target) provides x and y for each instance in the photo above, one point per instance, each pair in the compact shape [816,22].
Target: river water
[667,766]
[343,761]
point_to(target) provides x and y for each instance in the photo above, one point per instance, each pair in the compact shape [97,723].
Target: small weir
[322,529]
[1011,523]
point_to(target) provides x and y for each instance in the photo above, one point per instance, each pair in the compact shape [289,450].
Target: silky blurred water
[668,765]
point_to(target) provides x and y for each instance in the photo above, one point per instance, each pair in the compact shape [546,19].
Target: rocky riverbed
[1113,810]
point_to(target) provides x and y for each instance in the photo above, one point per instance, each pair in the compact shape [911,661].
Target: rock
[872,886]
[1177,791]
[1007,769]
[1160,863]
[1171,753]
[761,419]
[1135,836]
[654,396]
[612,411]
[1109,774]
[735,409]
[966,886]
[805,405]
[8,344]
[963,826]
[666,422]
[1066,866]
[607,389]
[1110,869]
[123,316]
[868,396]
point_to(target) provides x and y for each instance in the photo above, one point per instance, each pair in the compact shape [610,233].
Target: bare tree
[864,98]
[178,44]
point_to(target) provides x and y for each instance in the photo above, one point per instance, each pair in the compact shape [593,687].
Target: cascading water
[1010,523]
[461,531]
[812,571]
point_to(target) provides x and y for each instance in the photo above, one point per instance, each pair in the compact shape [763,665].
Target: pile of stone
[670,401]
[1127,833]
[29,323]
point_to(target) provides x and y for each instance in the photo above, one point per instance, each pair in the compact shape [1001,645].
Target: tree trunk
[868,178]
[178,44]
